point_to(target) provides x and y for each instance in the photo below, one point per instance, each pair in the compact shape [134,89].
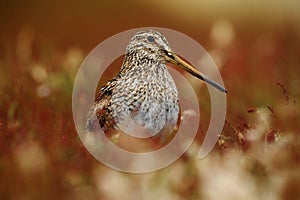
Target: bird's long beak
[173,58]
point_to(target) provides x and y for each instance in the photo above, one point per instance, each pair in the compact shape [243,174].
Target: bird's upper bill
[175,59]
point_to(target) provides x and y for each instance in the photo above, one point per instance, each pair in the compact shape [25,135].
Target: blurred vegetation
[257,47]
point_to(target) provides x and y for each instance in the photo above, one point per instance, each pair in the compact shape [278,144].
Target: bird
[143,96]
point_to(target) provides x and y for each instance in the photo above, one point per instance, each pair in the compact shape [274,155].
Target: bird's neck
[139,64]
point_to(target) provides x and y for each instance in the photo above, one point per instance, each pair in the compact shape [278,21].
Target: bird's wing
[100,113]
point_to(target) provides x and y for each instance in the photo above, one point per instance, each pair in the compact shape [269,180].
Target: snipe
[143,94]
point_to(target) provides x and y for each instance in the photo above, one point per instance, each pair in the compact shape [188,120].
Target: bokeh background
[256,46]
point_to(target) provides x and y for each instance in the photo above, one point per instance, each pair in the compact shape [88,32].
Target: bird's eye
[150,39]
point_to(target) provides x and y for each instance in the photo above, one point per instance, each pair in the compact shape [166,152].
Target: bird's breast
[145,100]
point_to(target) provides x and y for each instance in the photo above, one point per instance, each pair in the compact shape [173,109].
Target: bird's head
[148,45]
[151,45]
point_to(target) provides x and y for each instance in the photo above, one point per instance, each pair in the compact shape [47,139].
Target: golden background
[256,46]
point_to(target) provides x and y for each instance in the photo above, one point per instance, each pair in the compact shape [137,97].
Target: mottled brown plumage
[143,96]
